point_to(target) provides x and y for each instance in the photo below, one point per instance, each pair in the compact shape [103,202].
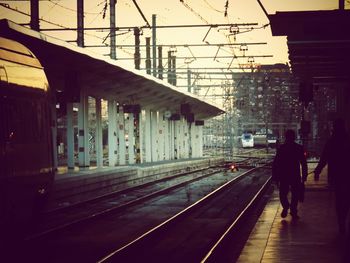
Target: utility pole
[173,70]
[112,35]
[154,43]
[80,20]
[160,62]
[148,55]
[169,67]
[137,47]
[34,15]
[189,80]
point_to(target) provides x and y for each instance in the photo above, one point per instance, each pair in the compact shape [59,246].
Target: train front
[26,152]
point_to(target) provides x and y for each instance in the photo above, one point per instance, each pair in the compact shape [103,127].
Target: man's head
[290,136]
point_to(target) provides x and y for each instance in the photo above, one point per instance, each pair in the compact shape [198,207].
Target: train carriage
[26,161]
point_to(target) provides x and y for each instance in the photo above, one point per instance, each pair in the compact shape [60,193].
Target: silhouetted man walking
[336,154]
[286,172]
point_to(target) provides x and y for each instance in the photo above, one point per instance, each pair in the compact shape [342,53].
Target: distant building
[266,98]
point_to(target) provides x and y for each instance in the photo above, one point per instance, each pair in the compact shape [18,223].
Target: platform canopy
[69,68]
[318,43]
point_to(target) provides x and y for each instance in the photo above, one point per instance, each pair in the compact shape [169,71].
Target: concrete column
[181,136]
[177,138]
[83,131]
[195,141]
[131,139]
[200,141]
[139,138]
[166,125]
[191,140]
[121,136]
[186,141]
[112,133]
[70,136]
[148,148]
[161,133]
[154,135]
[171,140]
[98,136]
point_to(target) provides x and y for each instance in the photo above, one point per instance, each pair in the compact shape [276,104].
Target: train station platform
[312,238]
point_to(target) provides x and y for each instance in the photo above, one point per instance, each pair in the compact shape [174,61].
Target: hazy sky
[173,12]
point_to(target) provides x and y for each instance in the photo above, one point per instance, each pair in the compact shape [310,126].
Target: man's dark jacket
[286,165]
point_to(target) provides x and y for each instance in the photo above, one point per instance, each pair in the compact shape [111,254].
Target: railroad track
[199,231]
[68,216]
[91,239]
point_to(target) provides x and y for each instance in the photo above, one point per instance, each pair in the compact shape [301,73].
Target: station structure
[319,51]
[149,120]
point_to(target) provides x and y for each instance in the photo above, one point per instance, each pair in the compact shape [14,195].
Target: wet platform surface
[312,238]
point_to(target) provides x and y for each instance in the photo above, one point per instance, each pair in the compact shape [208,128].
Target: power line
[44,20]
[210,57]
[26,14]
[194,12]
[190,45]
[219,11]
[163,26]
[140,11]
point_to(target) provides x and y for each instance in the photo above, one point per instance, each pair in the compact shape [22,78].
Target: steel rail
[215,248]
[176,217]
[121,191]
[115,208]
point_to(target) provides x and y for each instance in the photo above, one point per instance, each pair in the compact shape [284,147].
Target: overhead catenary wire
[189,45]
[161,26]
[210,57]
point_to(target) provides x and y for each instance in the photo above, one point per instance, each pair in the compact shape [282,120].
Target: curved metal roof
[18,66]
[104,78]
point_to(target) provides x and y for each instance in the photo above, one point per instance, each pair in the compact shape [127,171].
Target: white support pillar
[112,132]
[161,136]
[83,131]
[70,136]
[181,138]
[186,141]
[166,125]
[177,138]
[194,141]
[131,139]
[171,140]
[98,136]
[139,140]
[148,148]
[185,151]
[154,135]
[121,136]
[200,143]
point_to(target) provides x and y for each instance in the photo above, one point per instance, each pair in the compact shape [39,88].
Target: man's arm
[276,167]
[303,165]
[323,161]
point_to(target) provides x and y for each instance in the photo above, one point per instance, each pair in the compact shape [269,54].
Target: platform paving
[312,238]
